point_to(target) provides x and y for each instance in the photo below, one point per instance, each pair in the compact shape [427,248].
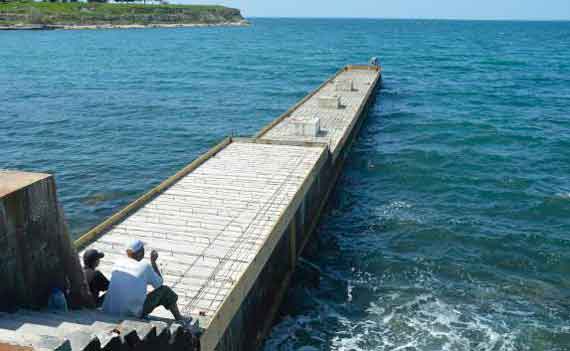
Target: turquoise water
[450,227]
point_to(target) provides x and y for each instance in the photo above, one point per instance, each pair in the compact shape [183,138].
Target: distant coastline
[80,16]
[243,23]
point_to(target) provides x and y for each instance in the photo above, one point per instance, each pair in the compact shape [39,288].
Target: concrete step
[98,327]
[86,317]
[83,329]
[27,325]
[36,342]
[74,320]
[88,330]
[44,323]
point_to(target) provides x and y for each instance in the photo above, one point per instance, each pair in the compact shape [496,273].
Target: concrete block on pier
[344,85]
[329,102]
[310,127]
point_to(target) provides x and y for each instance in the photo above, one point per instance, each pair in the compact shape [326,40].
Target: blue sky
[456,9]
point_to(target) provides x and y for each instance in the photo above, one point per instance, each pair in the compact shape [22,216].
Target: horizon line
[416,18]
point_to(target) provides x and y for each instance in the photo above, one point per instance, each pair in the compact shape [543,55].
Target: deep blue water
[450,227]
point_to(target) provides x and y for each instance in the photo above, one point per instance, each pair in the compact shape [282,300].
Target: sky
[449,9]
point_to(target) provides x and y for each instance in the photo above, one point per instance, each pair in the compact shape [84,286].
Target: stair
[89,330]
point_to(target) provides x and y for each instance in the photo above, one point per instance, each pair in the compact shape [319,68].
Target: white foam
[565,196]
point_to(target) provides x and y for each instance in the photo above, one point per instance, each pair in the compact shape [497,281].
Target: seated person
[96,280]
[127,295]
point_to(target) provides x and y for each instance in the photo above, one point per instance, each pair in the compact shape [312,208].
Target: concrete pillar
[310,127]
[330,102]
[37,253]
[344,85]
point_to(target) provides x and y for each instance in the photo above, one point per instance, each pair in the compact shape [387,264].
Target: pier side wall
[244,331]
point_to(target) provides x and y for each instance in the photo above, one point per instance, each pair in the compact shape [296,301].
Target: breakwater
[230,226]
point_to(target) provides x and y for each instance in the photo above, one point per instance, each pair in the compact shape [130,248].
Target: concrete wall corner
[37,252]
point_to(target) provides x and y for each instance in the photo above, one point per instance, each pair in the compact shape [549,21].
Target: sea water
[450,226]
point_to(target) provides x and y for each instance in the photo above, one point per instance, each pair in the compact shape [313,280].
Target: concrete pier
[230,226]
[337,107]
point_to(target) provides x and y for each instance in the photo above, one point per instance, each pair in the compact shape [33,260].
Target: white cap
[135,246]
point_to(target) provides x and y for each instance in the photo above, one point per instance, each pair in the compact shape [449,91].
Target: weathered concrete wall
[37,252]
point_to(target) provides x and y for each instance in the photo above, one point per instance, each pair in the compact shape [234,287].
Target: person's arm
[154,276]
[101,282]
[90,300]
[153,258]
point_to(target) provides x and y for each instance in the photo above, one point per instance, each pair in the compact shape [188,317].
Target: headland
[22,15]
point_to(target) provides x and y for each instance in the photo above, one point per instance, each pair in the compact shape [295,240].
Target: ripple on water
[451,220]
[449,227]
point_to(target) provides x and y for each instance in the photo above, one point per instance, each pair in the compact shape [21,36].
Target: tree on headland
[63,1]
[162,2]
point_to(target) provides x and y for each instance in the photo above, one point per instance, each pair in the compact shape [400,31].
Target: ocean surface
[450,227]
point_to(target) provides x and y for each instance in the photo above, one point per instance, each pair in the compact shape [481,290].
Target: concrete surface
[11,181]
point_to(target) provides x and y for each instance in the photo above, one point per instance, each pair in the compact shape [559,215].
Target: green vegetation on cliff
[75,13]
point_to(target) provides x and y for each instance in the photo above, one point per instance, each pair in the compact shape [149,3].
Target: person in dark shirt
[96,280]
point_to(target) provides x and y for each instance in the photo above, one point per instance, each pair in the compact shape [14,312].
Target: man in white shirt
[127,294]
